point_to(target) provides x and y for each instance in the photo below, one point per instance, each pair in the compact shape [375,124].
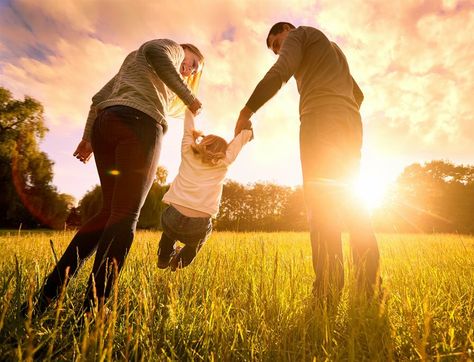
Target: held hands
[243,122]
[195,107]
[83,151]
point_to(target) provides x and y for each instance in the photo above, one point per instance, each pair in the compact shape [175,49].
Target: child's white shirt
[198,185]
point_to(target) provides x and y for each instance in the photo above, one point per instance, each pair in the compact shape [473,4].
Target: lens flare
[29,197]
[371,191]
[114,172]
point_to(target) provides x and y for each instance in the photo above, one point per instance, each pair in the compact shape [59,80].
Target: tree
[437,196]
[150,215]
[161,175]
[233,211]
[294,211]
[28,196]
[266,202]
[90,203]
[261,206]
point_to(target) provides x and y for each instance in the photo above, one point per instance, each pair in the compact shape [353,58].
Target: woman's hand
[195,106]
[83,151]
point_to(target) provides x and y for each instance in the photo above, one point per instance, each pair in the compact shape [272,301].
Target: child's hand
[251,129]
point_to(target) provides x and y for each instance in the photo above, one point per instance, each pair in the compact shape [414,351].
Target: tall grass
[247,296]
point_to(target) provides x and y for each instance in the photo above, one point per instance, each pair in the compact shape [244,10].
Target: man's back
[319,67]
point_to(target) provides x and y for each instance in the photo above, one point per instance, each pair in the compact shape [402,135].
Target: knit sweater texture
[148,81]
[320,69]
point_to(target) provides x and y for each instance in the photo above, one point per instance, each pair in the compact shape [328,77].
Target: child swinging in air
[195,193]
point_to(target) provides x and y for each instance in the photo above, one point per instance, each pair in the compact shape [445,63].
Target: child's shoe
[175,262]
[164,260]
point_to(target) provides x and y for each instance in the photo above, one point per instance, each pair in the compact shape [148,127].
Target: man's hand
[195,107]
[83,151]
[244,120]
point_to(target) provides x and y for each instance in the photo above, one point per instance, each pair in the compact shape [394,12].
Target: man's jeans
[126,144]
[330,144]
[192,231]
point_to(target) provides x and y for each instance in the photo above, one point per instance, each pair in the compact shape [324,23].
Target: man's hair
[277,29]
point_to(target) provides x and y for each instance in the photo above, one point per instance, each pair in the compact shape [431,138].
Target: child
[195,193]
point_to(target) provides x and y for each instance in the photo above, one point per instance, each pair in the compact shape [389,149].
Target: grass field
[247,296]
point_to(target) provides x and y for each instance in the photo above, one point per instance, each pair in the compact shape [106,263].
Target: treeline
[262,207]
[435,197]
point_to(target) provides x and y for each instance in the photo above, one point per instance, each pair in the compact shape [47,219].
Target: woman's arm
[159,54]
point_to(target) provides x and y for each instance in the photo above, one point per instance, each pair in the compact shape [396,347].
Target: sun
[371,190]
[378,173]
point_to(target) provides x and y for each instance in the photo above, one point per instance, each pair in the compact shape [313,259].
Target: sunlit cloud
[412,60]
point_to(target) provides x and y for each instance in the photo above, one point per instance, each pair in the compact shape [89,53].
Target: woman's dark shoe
[40,304]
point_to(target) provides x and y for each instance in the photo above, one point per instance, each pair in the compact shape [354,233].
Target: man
[330,144]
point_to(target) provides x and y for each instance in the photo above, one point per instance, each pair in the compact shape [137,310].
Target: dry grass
[247,296]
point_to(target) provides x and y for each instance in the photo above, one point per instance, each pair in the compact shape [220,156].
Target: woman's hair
[210,148]
[177,107]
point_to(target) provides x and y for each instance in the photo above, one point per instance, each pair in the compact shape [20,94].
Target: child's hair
[210,148]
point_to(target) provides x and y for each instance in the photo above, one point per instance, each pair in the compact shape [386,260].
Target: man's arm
[357,92]
[243,122]
[284,68]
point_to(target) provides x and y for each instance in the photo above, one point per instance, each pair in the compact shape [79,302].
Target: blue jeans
[192,231]
[126,144]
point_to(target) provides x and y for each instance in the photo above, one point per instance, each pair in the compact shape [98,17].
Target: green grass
[247,296]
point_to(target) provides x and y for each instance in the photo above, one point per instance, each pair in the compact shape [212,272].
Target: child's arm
[236,145]
[188,129]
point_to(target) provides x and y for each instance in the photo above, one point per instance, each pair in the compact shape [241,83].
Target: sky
[412,59]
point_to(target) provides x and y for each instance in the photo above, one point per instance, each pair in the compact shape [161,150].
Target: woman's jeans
[126,144]
[192,231]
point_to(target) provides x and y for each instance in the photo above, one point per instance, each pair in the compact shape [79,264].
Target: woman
[124,129]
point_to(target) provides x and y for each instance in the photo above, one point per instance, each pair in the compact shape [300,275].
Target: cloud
[65,82]
[413,63]
[412,59]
